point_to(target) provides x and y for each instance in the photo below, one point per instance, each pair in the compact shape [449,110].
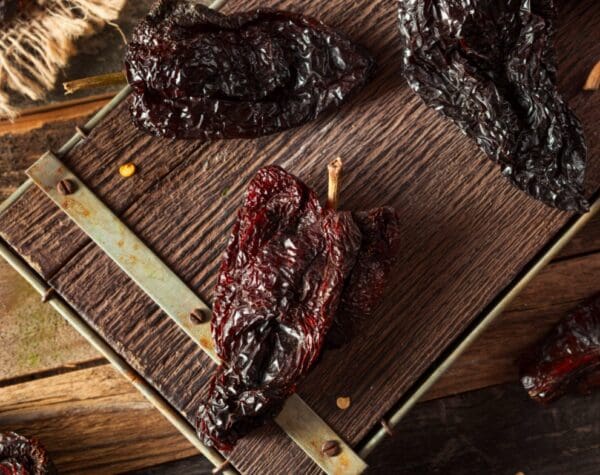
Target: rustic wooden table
[476,419]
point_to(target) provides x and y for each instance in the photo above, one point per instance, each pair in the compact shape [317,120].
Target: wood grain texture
[28,123]
[490,360]
[19,151]
[197,465]
[495,431]
[585,242]
[40,351]
[33,337]
[172,363]
[467,234]
[92,421]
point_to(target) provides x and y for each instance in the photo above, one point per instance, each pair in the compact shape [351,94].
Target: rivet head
[65,187]
[331,448]
[198,316]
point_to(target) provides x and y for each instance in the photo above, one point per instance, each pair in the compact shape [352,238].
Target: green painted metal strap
[177,300]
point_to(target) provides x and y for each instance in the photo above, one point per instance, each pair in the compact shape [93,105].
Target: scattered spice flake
[127,170]
[343,402]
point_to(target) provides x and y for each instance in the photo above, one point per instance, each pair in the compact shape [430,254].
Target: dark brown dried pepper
[567,358]
[288,266]
[22,456]
[490,66]
[197,73]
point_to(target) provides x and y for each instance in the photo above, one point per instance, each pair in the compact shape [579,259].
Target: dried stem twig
[110,79]
[334,170]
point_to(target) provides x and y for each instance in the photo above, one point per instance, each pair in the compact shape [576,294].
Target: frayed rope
[38,43]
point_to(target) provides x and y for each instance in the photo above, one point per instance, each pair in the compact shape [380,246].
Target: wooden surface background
[499,368]
[47,366]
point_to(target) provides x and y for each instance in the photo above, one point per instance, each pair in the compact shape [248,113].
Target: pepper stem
[334,170]
[110,79]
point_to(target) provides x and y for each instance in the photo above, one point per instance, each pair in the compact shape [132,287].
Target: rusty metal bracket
[177,300]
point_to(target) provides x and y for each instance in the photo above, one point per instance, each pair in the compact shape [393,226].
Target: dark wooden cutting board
[466,233]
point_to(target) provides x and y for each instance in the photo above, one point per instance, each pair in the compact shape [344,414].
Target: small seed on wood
[198,316]
[343,402]
[127,169]
[65,187]
[331,448]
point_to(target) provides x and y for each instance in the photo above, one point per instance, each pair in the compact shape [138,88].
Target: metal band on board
[117,361]
[511,293]
[177,300]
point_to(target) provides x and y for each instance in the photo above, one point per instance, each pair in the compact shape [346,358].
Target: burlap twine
[38,43]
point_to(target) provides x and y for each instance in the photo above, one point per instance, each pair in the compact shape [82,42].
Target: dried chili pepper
[567,358]
[364,288]
[288,266]
[22,456]
[197,73]
[490,67]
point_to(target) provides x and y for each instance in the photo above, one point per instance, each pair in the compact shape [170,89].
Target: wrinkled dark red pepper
[568,358]
[291,269]
[197,73]
[490,66]
[22,456]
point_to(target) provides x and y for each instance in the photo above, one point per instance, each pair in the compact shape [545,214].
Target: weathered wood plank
[191,466]
[497,430]
[44,235]
[549,297]
[18,150]
[52,117]
[34,338]
[586,242]
[16,297]
[467,233]
[92,421]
